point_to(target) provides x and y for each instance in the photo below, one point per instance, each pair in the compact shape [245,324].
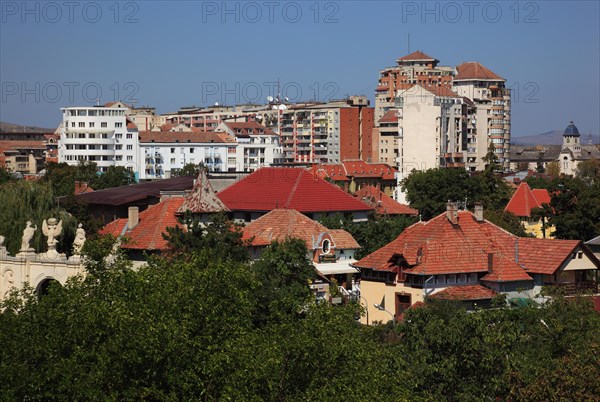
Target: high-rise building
[430,116]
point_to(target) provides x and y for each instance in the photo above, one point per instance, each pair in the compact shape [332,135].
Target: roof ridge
[293,191]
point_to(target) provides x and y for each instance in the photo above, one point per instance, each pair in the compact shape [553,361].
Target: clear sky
[179,53]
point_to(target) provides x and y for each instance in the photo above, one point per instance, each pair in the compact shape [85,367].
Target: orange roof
[248,128]
[82,187]
[475,71]
[360,168]
[391,116]
[280,224]
[468,292]
[153,222]
[383,203]
[524,200]
[416,56]
[441,90]
[183,137]
[439,247]
[335,172]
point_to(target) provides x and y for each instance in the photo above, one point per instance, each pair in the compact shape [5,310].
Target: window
[172,161]
[129,136]
[92,135]
[326,246]
[119,157]
[72,124]
[129,168]
[104,124]
[118,147]
[451,279]
[92,124]
[172,150]
[129,157]
[81,124]
[129,147]
[191,150]
[118,125]
[118,136]
[580,255]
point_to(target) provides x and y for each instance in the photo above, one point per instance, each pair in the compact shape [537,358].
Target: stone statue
[52,229]
[9,282]
[28,233]
[79,240]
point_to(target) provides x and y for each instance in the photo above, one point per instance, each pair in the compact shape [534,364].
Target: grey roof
[571,130]
[549,153]
[595,241]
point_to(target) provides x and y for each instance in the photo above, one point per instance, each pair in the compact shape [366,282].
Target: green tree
[589,171]
[5,175]
[506,220]
[190,169]
[115,176]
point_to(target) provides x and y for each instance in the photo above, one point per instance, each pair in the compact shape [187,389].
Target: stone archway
[44,285]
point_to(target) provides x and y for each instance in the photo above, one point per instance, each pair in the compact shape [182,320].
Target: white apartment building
[257,146]
[164,152]
[98,134]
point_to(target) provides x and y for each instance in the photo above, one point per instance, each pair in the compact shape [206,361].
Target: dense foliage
[206,328]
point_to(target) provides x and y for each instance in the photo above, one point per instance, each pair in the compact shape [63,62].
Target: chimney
[452,212]
[490,262]
[479,212]
[133,217]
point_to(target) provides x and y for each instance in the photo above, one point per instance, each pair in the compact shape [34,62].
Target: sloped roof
[280,224]
[465,293]
[524,200]
[416,56]
[290,188]
[360,168]
[245,128]
[440,247]
[595,241]
[391,116]
[153,222]
[441,90]
[473,70]
[202,198]
[334,171]
[383,203]
[184,137]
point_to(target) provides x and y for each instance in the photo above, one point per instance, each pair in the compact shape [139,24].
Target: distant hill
[11,127]
[554,137]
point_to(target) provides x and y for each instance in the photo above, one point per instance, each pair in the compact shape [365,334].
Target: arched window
[326,246]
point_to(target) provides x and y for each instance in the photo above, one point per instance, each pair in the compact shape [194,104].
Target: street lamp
[381,308]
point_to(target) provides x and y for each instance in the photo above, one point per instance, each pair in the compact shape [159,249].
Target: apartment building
[165,152]
[99,134]
[430,116]
[257,146]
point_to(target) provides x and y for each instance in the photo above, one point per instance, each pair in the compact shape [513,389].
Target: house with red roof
[523,201]
[272,188]
[382,203]
[353,174]
[458,255]
[331,251]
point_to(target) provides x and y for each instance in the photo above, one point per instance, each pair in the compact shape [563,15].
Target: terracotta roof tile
[244,128]
[468,292]
[440,247]
[475,71]
[183,137]
[414,56]
[391,116]
[202,198]
[383,203]
[524,200]
[290,188]
[280,224]
[147,234]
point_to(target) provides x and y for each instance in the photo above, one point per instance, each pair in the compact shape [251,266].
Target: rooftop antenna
[408,43]
[97,101]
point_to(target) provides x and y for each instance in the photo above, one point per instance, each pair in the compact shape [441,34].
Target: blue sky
[171,54]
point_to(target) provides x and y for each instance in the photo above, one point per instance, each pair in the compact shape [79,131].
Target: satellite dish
[287,99]
[282,107]
[216,103]
[274,107]
[258,117]
[270,98]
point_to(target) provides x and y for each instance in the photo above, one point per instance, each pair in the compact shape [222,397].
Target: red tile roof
[335,172]
[290,188]
[147,234]
[468,292]
[524,200]
[391,116]
[383,203]
[441,90]
[245,127]
[280,224]
[440,247]
[475,71]
[416,56]
[82,187]
[183,137]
